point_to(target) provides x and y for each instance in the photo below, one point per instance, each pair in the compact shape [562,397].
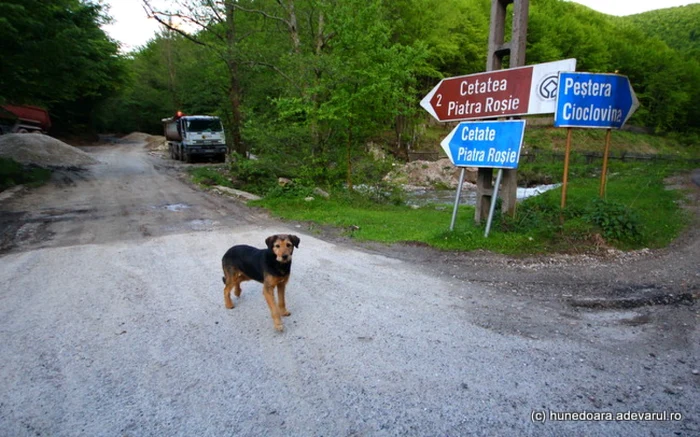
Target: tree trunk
[234,86]
[315,134]
[292,25]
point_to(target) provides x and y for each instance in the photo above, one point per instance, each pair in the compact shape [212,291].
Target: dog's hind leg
[230,281]
[237,283]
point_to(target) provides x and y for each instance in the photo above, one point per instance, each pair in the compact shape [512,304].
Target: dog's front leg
[269,294]
[280,299]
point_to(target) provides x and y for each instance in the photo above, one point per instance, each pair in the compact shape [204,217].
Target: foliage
[209,176]
[320,77]
[677,27]
[13,173]
[257,175]
[616,221]
[55,54]
[637,211]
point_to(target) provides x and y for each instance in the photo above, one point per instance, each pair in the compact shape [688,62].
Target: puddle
[175,207]
[624,318]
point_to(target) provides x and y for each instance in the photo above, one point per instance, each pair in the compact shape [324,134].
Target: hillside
[677,27]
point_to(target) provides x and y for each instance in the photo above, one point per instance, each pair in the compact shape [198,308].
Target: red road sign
[515,91]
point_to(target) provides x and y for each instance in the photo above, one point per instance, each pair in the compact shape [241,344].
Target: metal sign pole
[459,195]
[492,208]
[565,180]
[605,163]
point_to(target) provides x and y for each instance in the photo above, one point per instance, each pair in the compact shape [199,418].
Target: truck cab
[195,136]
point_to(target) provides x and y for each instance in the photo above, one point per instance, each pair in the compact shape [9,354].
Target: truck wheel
[222,157]
[188,158]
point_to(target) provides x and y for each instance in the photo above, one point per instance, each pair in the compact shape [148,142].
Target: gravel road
[112,323]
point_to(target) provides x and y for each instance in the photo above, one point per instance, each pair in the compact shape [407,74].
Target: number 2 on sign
[439,100]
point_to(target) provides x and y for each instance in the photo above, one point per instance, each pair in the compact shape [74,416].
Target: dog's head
[282,246]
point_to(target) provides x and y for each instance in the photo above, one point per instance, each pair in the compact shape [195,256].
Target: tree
[367,78]
[215,26]
[54,53]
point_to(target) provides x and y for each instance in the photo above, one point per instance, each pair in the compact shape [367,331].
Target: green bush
[209,176]
[616,221]
[295,190]
[257,175]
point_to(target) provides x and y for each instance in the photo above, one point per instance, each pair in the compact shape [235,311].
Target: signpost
[493,144]
[592,100]
[500,93]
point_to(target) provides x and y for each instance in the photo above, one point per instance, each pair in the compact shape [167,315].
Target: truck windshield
[204,125]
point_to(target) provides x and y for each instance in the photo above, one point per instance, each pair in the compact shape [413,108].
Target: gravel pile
[135,137]
[156,142]
[42,150]
[429,174]
[153,142]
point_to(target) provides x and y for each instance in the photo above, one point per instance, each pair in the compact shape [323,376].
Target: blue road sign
[594,100]
[493,144]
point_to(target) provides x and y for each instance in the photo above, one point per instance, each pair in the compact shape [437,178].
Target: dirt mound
[42,150]
[153,142]
[429,174]
[136,136]
[156,142]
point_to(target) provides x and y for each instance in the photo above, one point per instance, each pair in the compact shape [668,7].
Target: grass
[593,140]
[13,173]
[391,224]
[637,211]
[209,176]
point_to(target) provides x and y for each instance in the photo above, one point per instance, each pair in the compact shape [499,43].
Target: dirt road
[112,323]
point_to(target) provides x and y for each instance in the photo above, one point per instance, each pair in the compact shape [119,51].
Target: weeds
[616,221]
[636,210]
[13,173]
[209,176]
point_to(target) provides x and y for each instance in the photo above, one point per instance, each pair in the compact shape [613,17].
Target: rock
[430,174]
[376,152]
[321,193]
[283,182]
[236,193]
[309,199]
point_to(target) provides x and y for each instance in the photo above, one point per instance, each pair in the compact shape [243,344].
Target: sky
[132,28]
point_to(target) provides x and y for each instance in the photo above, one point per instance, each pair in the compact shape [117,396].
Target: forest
[313,81]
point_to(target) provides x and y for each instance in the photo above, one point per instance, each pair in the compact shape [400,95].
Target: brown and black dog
[269,266]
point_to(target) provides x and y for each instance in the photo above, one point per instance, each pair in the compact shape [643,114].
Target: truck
[23,119]
[195,136]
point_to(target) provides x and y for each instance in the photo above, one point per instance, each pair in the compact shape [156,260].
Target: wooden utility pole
[498,50]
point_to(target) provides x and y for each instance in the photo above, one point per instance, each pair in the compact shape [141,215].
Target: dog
[270,266]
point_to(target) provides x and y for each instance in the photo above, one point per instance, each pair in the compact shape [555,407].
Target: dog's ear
[295,240]
[270,241]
